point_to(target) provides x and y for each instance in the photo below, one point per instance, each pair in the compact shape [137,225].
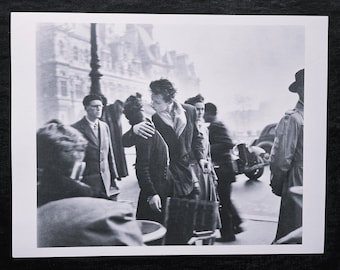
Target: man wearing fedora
[286,161]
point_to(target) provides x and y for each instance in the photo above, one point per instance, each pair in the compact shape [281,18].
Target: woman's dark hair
[132,109]
[196,99]
[165,88]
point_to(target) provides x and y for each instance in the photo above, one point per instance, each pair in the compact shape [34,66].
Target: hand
[144,129]
[196,190]
[155,203]
[205,165]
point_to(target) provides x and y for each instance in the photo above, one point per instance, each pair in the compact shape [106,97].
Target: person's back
[84,221]
[60,153]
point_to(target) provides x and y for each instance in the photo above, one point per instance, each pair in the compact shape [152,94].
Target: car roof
[268,127]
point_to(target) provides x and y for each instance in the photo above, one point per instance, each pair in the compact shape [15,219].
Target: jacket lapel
[89,133]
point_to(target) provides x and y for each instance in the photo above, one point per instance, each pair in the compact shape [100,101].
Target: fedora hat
[299,80]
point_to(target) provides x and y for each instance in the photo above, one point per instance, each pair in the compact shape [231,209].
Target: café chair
[190,222]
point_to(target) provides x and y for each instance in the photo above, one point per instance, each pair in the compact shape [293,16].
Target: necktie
[95,129]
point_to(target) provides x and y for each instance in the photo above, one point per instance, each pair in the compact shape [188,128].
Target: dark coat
[152,172]
[53,186]
[100,171]
[182,150]
[112,116]
[220,145]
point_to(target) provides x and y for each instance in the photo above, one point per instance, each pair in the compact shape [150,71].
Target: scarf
[175,118]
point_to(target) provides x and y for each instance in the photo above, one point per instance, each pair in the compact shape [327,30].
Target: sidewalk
[258,230]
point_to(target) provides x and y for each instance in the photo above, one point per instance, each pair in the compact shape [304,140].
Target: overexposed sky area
[241,67]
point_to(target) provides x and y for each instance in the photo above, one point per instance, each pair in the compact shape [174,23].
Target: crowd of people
[182,151]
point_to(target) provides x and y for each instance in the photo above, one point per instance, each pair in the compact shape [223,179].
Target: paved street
[257,205]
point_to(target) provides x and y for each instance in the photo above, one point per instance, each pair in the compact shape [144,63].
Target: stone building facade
[129,59]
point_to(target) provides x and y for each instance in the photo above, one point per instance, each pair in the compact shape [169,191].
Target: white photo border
[23,117]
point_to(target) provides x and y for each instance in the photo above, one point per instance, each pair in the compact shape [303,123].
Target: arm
[144,129]
[220,143]
[287,133]
[197,142]
[219,138]
[128,138]
[143,159]
[112,162]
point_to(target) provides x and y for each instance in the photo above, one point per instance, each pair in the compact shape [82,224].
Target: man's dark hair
[163,87]
[210,108]
[196,99]
[89,98]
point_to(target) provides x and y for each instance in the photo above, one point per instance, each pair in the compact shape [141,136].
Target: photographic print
[146,134]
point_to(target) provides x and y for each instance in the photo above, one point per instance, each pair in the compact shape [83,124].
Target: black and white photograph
[146,134]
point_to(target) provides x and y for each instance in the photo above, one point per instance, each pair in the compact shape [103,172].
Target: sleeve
[112,162]
[143,157]
[197,139]
[286,137]
[129,138]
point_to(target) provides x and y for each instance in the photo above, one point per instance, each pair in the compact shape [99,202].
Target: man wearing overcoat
[286,161]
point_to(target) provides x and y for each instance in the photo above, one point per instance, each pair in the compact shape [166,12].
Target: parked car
[266,138]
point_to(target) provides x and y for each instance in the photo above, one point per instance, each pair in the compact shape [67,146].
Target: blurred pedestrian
[286,161]
[177,125]
[221,144]
[100,172]
[60,154]
[151,165]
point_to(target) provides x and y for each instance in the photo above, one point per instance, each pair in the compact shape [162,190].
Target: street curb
[260,218]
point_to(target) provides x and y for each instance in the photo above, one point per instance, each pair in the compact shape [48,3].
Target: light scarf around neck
[175,118]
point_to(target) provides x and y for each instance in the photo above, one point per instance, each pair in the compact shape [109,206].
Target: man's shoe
[238,229]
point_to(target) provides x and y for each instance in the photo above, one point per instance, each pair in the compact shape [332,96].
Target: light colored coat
[287,161]
[100,170]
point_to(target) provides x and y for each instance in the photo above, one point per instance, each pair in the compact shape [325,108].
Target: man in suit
[100,172]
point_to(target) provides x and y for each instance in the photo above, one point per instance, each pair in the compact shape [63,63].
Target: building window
[75,53]
[61,47]
[87,56]
[63,88]
[79,92]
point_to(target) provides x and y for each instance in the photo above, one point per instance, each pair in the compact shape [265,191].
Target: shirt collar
[92,123]
[300,105]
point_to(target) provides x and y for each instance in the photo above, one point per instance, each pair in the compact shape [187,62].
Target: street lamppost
[94,73]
